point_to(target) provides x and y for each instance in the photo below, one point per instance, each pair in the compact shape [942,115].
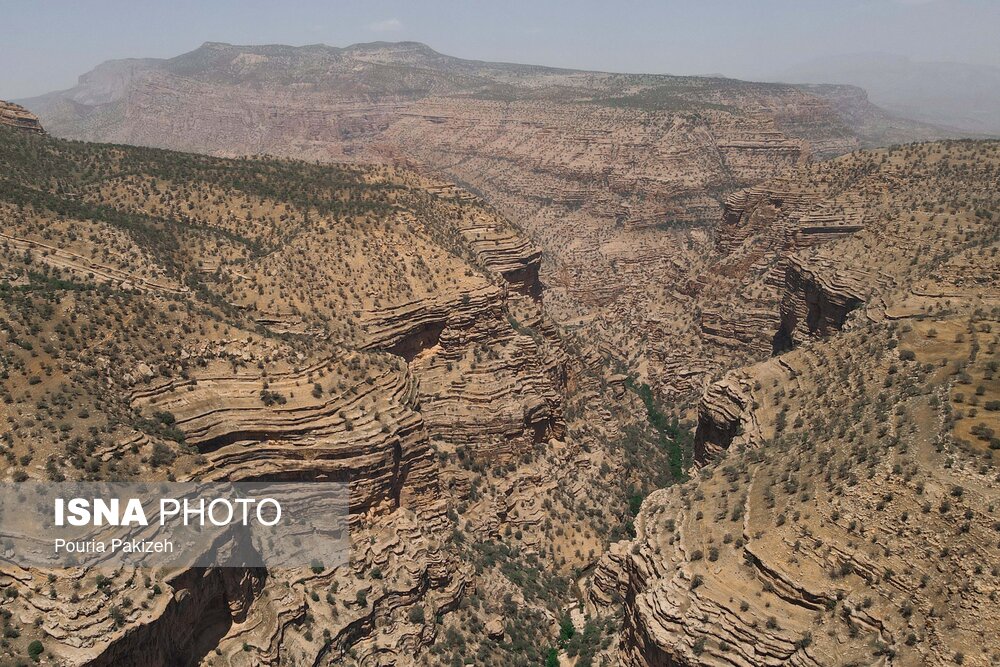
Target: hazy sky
[46,44]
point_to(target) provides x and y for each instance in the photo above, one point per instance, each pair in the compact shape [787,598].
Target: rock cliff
[829,467]
[17,116]
[176,316]
[306,354]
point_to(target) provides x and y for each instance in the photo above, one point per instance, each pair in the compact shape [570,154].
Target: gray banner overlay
[174,524]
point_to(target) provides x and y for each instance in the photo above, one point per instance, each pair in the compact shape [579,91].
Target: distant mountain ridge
[958,95]
[410,71]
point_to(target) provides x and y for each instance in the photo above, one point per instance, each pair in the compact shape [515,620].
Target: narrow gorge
[619,369]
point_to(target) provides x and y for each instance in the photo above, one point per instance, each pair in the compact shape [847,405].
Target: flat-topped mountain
[411,71]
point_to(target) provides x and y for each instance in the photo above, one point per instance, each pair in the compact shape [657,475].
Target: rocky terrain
[13,115]
[172,316]
[847,511]
[615,176]
[490,300]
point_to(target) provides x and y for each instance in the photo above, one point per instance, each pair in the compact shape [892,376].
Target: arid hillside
[614,176]
[175,316]
[849,507]
[489,297]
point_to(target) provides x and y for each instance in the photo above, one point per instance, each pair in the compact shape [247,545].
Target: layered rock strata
[845,510]
[16,116]
[615,176]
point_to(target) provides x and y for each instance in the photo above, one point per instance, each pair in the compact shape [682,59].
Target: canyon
[621,369]
[618,177]
[844,457]
[171,316]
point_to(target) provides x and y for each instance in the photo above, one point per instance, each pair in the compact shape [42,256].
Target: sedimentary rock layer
[845,511]
[615,176]
[16,116]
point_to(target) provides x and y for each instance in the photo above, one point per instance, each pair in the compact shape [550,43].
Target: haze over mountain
[410,70]
[46,45]
[957,95]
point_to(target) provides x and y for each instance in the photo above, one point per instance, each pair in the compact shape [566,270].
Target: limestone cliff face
[370,427]
[204,605]
[376,331]
[817,300]
[761,231]
[18,117]
[765,557]
[723,416]
[674,616]
[841,515]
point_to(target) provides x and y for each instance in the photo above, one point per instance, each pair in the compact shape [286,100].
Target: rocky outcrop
[765,234]
[495,395]
[384,331]
[760,560]
[822,528]
[409,329]
[16,116]
[818,297]
[723,416]
[204,605]
[286,432]
[744,329]
[763,225]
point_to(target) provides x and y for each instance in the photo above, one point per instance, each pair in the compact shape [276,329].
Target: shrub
[165,418]
[566,628]
[35,650]
[416,614]
[162,455]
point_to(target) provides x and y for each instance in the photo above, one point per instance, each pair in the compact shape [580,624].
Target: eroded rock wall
[16,116]
[841,508]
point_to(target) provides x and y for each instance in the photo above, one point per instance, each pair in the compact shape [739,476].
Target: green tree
[566,629]
[35,650]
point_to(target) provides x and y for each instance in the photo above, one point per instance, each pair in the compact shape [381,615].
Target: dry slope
[167,315]
[849,511]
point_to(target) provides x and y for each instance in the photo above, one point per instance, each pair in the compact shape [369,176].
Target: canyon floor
[621,369]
